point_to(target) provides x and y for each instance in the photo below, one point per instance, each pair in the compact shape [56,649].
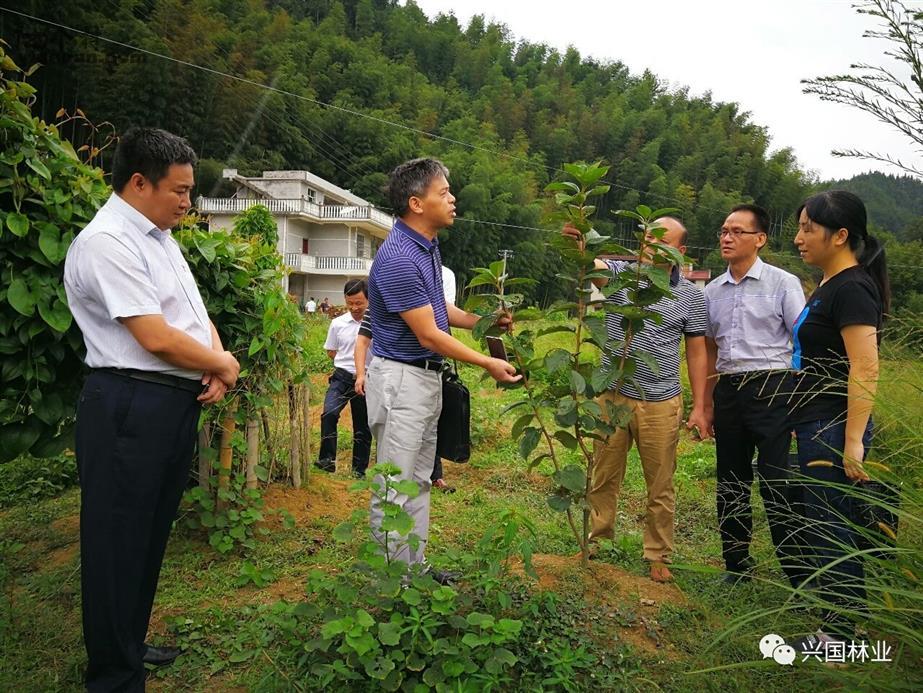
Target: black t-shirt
[819,355]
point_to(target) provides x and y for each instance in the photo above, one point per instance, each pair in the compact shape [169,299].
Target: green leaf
[577,382]
[482,326]
[408,487]
[648,360]
[402,524]
[58,316]
[556,359]
[389,633]
[529,441]
[16,438]
[567,440]
[482,280]
[412,596]
[559,503]
[601,377]
[18,223]
[343,532]
[49,242]
[566,412]
[39,168]
[500,659]
[364,619]
[571,477]
[19,296]
[520,424]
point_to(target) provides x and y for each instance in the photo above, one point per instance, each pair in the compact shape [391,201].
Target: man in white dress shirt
[340,346]
[155,358]
[752,310]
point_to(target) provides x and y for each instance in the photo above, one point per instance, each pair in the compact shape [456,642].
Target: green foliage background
[46,196]
[474,84]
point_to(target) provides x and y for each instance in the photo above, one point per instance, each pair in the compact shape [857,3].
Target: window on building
[360,245]
[311,195]
[304,246]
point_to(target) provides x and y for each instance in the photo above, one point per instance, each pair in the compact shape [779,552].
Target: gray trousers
[404,403]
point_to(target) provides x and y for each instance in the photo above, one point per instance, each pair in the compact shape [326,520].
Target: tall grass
[891,547]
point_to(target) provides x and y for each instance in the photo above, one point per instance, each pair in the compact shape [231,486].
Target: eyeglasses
[735,233]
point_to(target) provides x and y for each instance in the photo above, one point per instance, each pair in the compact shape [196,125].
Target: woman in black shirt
[836,356]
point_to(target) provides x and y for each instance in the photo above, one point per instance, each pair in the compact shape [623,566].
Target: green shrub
[46,196]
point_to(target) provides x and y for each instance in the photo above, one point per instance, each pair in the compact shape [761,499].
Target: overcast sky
[754,52]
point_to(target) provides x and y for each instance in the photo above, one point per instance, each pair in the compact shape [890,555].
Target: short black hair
[411,179]
[150,152]
[760,215]
[356,286]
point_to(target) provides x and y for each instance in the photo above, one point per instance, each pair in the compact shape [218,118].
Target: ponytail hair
[874,262]
[839,209]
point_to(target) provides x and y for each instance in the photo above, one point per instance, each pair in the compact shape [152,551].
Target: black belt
[425,364]
[343,373]
[738,379]
[174,381]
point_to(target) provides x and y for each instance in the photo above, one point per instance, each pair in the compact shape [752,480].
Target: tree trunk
[226,454]
[253,451]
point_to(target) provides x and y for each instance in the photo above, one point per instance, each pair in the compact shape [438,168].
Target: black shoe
[742,573]
[326,465]
[160,656]
[443,577]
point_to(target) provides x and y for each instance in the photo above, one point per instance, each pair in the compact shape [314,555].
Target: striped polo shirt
[683,314]
[406,274]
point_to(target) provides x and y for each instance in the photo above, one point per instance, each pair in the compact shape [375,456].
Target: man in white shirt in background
[448,288]
[340,346]
[310,307]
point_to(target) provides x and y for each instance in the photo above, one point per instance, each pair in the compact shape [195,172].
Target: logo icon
[773,646]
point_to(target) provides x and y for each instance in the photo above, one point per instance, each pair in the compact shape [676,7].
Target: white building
[326,234]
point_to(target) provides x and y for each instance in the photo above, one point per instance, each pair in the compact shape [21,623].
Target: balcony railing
[322,213]
[327,264]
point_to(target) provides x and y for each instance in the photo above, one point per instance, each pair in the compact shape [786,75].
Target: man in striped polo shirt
[654,401]
[410,321]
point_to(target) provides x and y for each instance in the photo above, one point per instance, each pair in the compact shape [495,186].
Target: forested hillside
[895,203]
[469,84]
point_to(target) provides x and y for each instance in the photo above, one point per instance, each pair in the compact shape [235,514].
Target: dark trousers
[134,443]
[437,469]
[832,534]
[339,394]
[751,415]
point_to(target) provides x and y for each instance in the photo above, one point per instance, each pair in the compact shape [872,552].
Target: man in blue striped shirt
[410,321]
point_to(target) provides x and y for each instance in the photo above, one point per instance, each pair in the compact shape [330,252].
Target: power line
[353,112]
[339,163]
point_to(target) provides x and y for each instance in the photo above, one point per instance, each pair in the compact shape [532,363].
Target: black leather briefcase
[454,436]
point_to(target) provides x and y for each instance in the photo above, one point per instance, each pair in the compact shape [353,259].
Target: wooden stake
[205,467]
[294,461]
[253,451]
[226,454]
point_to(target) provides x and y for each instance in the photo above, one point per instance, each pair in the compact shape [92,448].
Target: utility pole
[506,255]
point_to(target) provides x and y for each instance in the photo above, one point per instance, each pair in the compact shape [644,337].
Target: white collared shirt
[752,320]
[121,265]
[341,338]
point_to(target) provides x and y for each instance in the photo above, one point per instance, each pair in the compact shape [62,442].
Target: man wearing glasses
[752,309]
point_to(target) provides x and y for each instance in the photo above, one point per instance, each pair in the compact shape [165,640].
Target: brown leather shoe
[660,572]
